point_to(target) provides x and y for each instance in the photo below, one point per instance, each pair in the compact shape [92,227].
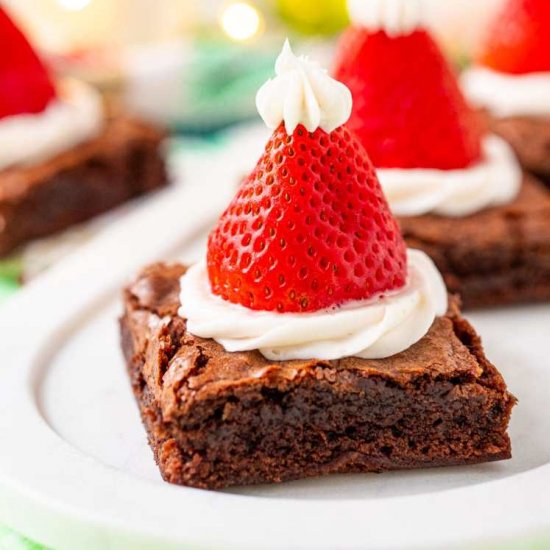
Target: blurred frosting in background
[196,65]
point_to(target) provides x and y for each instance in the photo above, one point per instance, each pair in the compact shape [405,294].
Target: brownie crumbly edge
[216,419]
[123,162]
[495,257]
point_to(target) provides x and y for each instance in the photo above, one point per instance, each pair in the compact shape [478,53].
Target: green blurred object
[8,287]
[324,17]
[11,541]
[223,82]
[199,84]
[11,268]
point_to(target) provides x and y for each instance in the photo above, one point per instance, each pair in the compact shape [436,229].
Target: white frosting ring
[508,94]
[395,17]
[303,93]
[370,329]
[75,116]
[455,193]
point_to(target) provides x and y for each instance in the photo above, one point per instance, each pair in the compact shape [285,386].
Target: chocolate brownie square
[494,257]
[217,419]
[124,161]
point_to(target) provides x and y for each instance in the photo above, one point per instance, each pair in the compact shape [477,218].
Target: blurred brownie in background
[510,79]
[124,161]
[63,157]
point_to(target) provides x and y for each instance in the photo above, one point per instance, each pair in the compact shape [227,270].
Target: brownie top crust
[181,368]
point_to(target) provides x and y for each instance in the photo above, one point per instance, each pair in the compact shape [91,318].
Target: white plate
[76,471]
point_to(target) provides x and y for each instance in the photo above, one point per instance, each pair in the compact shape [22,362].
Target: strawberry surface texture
[308,229]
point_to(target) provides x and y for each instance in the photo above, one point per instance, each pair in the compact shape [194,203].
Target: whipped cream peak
[395,17]
[302,92]
[371,329]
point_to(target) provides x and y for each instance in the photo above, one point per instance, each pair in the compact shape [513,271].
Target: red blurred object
[25,85]
[518,40]
[408,110]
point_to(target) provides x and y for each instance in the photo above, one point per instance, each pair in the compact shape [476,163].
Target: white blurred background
[82,23]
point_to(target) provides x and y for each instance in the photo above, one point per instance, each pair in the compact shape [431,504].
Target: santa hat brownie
[307,260]
[409,111]
[518,40]
[309,228]
[510,77]
[25,86]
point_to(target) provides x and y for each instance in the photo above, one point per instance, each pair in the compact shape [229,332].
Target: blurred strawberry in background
[196,65]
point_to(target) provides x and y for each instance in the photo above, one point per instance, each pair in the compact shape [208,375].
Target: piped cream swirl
[508,94]
[302,93]
[75,116]
[372,329]
[395,17]
[454,193]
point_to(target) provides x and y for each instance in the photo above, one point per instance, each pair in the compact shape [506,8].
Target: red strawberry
[308,229]
[518,40]
[25,86]
[408,110]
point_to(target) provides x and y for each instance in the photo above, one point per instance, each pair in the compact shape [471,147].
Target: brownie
[498,256]
[217,419]
[529,136]
[124,161]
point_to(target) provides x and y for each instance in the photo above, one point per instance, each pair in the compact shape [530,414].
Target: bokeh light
[240,21]
[74,5]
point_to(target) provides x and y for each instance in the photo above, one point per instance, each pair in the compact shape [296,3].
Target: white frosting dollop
[454,193]
[395,17]
[371,329]
[508,94]
[76,115]
[303,93]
